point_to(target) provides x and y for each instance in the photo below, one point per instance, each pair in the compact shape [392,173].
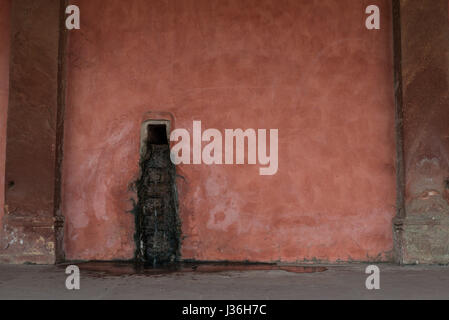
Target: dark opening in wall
[157,134]
[158,228]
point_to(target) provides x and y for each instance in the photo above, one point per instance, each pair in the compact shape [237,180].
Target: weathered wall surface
[30,148]
[4,85]
[425,47]
[308,68]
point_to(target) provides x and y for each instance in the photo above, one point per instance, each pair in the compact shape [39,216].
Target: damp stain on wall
[157,223]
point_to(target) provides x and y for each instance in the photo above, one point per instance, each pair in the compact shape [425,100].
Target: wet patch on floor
[122,269]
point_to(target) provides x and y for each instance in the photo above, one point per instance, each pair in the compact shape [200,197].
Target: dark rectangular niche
[158,227]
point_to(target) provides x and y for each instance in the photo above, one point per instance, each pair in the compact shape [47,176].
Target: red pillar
[5,8]
[422,229]
[31,179]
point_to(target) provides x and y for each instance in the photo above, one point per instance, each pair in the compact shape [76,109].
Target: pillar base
[423,239]
[27,240]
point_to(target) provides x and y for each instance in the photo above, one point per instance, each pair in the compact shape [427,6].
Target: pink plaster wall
[4,85]
[309,68]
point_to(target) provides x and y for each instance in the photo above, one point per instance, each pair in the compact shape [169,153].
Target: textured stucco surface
[4,85]
[308,68]
[425,46]
[30,149]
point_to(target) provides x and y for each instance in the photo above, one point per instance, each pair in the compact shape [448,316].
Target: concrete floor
[339,282]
